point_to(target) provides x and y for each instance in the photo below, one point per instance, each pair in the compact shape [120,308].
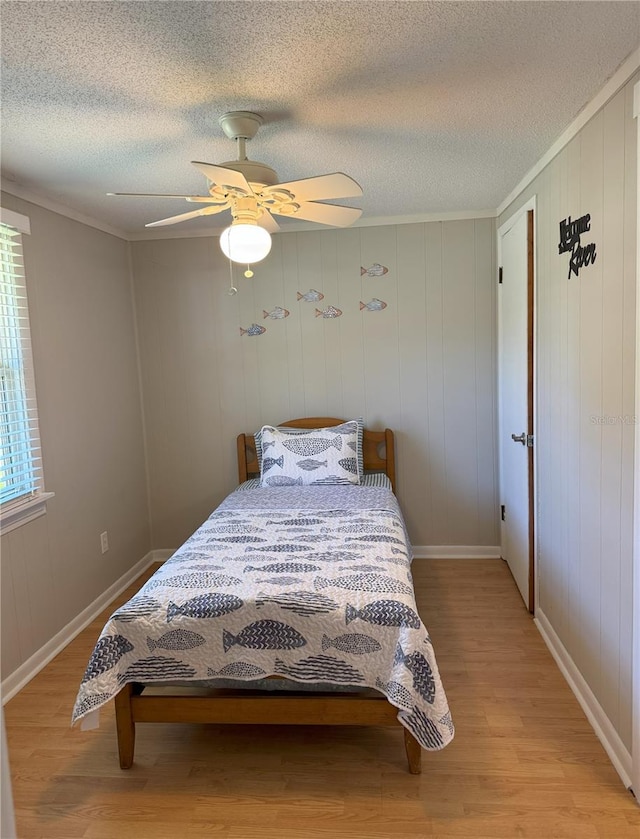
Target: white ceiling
[432,107]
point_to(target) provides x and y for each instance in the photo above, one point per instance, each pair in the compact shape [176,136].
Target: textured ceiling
[431,106]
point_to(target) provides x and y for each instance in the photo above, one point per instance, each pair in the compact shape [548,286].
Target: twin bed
[291,604]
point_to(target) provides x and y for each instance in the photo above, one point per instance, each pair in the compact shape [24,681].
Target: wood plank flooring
[524,763]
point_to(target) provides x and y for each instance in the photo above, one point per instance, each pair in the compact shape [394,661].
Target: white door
[515,397]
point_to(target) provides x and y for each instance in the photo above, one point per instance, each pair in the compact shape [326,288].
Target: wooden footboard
[245,707]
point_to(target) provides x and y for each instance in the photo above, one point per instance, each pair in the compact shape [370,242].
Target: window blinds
[20,455]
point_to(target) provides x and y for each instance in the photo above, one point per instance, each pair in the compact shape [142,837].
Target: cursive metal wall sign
[581,255]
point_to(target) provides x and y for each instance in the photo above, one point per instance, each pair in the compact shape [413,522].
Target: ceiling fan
[252,192]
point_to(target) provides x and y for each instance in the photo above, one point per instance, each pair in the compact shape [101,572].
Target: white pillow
[316,457]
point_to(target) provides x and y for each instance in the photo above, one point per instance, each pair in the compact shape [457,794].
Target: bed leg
[414,753]
[125,726]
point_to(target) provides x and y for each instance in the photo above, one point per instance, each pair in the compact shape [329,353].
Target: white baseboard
[606,733]
[33,665]
[456,551]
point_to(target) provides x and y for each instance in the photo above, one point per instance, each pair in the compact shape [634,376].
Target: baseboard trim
[600,722]
[456,551]
[33,665]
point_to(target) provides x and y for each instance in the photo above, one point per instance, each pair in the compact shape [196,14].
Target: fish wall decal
[254,329]
[373,305]
[376,270]
[311,296]
[276,313]
[329,312]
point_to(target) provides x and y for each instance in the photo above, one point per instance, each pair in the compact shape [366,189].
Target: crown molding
[621,76]
[26,194]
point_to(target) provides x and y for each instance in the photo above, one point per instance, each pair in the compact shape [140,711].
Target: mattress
[312,584]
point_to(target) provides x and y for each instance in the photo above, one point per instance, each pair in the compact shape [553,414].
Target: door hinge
[500,275]
[529,441]
[502,512]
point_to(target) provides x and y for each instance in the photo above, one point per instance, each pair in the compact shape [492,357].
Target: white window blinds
[20,456]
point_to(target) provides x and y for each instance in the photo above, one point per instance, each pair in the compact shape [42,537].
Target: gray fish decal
[300,521]
[397,693]
[276,313]
[333,556]
[240,539]
[320,668]
[155,669]
[365,582]
[421,671]
[238,527]
[312,537]
[89,703]
[254,329]
[300,602]
[270,462]
[311,296]
[309,465]
[311,445]
[373,569]
[211,605]
[195,580]
[384,613]
[350,464]
[283,481]
[423,729]
[374,305]
[281,581]
[376,270]
[106,654]
[285,567]
[264,635]
[365,527]
[284,548]
[375,538]
[395,560]
[238,669]
[352,643]
[176,639]
[138,607]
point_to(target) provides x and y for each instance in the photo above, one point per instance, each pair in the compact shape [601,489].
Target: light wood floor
[524,762]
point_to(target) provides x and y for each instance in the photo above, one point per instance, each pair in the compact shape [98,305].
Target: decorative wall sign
[581,255]
[376,270]
[254,329]
[374,305]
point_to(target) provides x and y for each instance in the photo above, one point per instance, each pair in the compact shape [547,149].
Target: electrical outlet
[104,542]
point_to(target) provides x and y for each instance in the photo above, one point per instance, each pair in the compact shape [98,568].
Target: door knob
[520,438]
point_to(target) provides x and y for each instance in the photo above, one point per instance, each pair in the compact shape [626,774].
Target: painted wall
[85,360]
[585,403]
[424,365]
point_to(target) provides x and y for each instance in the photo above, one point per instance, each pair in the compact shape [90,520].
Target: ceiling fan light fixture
[245,243]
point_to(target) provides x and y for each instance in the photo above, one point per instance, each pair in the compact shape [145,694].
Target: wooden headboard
[377,448]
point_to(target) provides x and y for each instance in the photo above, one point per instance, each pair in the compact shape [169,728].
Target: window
[22,495]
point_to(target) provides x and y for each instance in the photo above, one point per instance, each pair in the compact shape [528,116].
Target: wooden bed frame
[367,707]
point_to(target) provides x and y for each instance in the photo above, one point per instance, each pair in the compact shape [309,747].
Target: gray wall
[585,403]
[424,366]
[85,361]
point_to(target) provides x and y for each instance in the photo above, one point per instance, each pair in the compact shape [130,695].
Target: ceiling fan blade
[161,195]
[331,214]
[336,185]
[224,177]
[205,211]
[267,221]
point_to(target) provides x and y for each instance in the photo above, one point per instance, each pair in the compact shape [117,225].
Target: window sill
[23,513]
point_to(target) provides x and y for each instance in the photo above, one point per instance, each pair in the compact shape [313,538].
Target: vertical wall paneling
[422,365]
[585,404]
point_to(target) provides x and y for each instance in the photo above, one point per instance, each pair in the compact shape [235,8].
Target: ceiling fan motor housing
[254,172]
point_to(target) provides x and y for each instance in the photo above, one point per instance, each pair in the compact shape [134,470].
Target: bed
[291,604]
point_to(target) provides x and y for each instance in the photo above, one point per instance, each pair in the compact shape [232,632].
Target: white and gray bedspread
[309,583]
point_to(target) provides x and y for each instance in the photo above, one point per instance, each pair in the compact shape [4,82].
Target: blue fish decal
[211,605]
[239,670]
[281,548]
[195,580]
[177,639]
[312,445]
[350,464]
[270,462]
[423,729]
[365,582]
[397,693]
[264,635]
[300,602]
[106,654]
[421,671]
[352,643]
[320,668]
[156,669]
[254,329]
[384,613]
[284,567]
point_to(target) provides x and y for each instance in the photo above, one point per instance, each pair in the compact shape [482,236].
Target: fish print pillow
[289,430]
[317,457]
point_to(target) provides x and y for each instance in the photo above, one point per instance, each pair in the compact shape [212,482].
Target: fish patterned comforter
[309,583]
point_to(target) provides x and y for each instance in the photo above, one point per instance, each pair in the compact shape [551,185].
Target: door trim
[529,207]
[635,677]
